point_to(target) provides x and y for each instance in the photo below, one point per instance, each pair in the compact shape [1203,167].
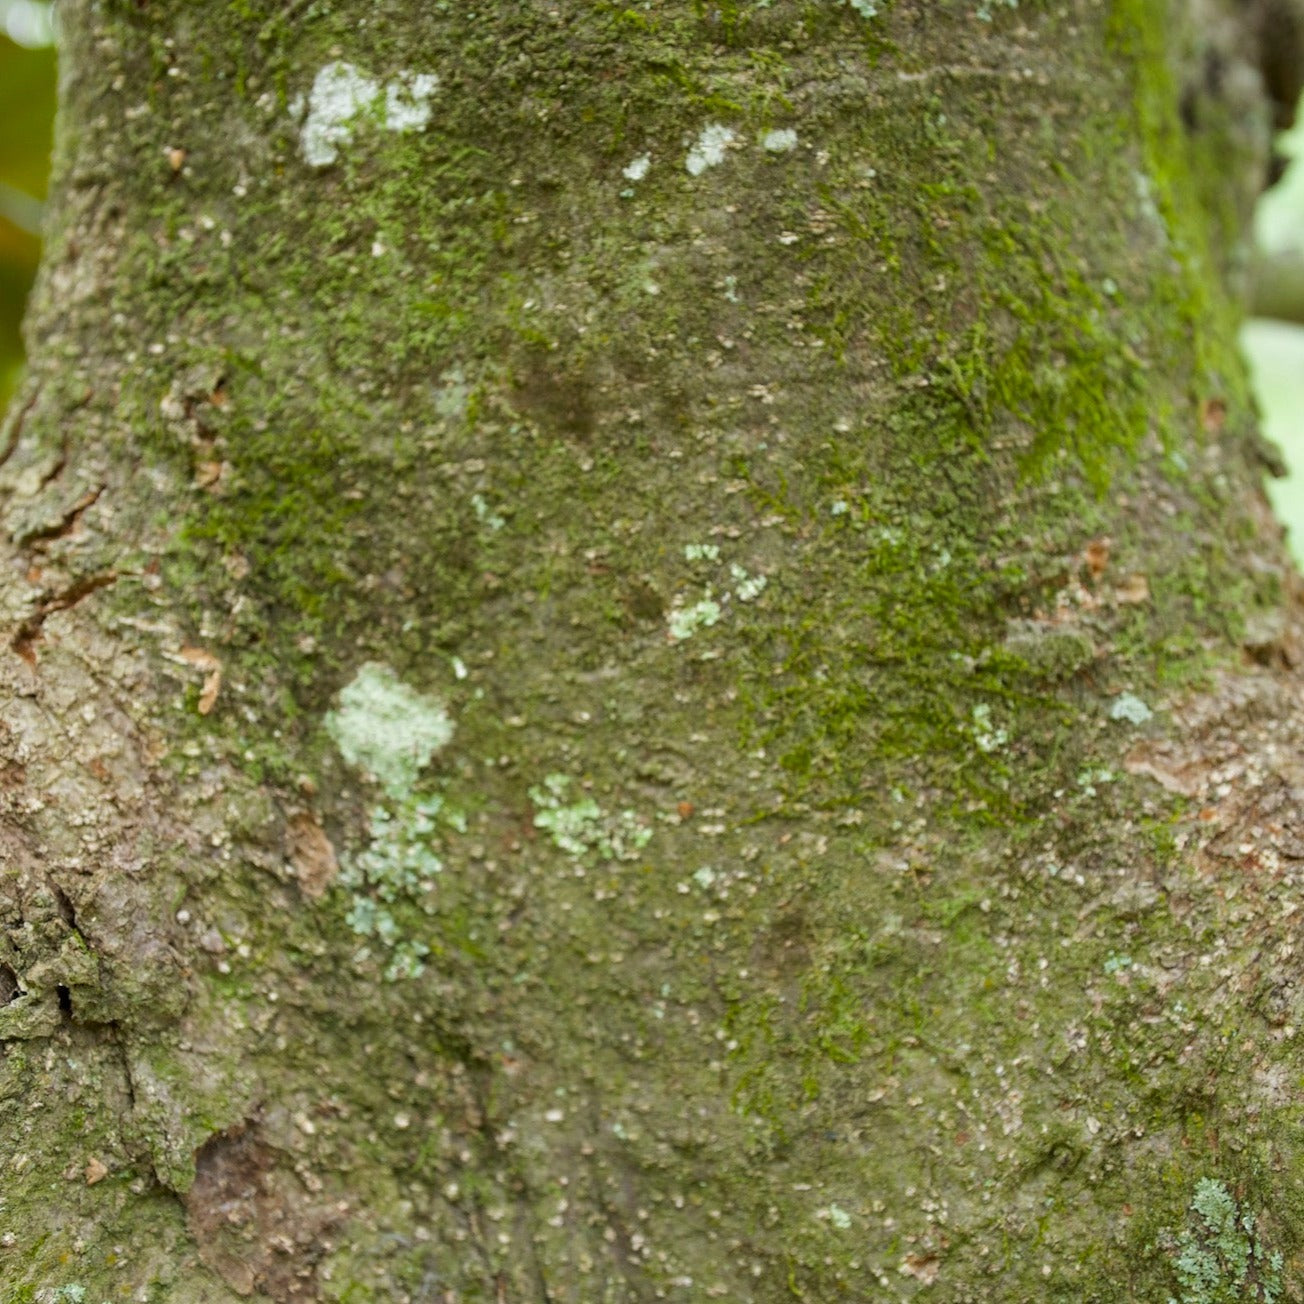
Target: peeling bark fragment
[311,854]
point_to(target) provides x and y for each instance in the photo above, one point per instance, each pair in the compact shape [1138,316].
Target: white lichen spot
[388,729]
[780,141]
[341,93]
[1129,707]
[704,877]
[710,148]
[836,1215]
[684,622]
[582,829]
[746,587]
[865,8]
[988,737]
[485,514]
[984,10]
[636,169]
[840,507]
[702,552]
[407,100]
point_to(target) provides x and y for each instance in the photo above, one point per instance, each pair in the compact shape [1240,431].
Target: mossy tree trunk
[644,660]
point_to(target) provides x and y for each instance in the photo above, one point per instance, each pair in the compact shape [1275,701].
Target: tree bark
[646,660]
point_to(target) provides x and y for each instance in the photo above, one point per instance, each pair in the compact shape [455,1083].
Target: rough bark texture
[645,661]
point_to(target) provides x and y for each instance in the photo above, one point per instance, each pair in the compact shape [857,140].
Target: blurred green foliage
[1275,350]
[27,80]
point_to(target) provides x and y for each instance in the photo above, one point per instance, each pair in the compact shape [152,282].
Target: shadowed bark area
[646,661]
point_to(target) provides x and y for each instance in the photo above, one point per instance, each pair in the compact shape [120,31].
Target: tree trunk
[646,661]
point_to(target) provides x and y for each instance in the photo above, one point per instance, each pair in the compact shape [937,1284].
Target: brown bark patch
[1096,555]
[1177,769]
[784,949]
[311,854]
[254,1223]
[559,402]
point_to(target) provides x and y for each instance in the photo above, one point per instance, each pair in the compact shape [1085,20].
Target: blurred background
[26,117]
[1273,340]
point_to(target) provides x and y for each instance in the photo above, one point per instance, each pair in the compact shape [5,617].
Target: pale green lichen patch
[399,865]
[747,588]
[988,735]
[451,397]
[836,1216]
[684,622]
[388,729]
[782,140]
[391,731]
[702,552]
[399,858]
[581,828]
[1220,1258]
[407,955]
[485,514]
[1129,707]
